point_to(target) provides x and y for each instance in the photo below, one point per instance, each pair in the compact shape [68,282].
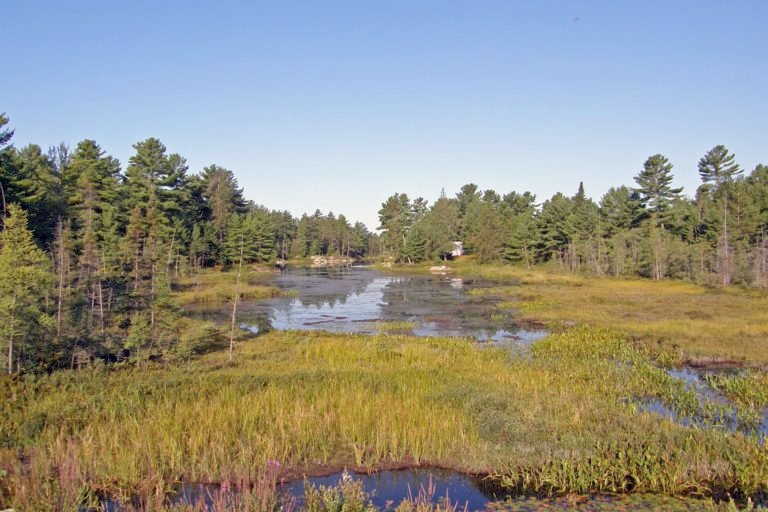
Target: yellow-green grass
[699,323]
[561,420]
[394,326]
[213,286]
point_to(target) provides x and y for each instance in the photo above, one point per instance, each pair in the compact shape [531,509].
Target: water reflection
[361,300]
[388,488]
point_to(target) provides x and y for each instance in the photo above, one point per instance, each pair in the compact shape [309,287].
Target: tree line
[89,249]
[650,229]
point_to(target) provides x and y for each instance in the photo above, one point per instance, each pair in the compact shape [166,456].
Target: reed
[559,420]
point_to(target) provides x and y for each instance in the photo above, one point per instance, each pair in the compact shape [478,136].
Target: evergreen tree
[37,188]
[6,170]
[519,228]
[441,226]
[395,219]
[285,232]
[584,228]
[222,195]
[655,186]
[154,178]
[359,242]
[553,228]
[91,183]
[482,229]
[253,235]
[414,250]
[26,280]
[620,209]
[718,168]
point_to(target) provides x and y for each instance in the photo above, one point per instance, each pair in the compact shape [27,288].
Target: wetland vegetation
[567,417]
[581,355]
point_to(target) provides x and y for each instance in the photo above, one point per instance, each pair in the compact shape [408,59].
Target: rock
[330,261]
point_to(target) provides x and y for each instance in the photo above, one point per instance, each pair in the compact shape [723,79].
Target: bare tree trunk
[93,306]
[59,305]
[726,249]
[101,308]
[235,300]
[10,337]
[152,301]
[170,260]
[136,268]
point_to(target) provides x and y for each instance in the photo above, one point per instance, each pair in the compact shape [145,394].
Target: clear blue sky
[337,105]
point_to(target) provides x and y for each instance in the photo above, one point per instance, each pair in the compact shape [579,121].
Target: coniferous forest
[647,229]
[90,248]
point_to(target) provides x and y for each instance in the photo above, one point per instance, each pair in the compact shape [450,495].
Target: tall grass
[564,418]
[560,420]
[695,323]
[214,287]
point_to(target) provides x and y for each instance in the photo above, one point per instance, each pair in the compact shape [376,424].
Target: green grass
[401,327]
[696,323]
[564,420]
[213,287]
[558,421]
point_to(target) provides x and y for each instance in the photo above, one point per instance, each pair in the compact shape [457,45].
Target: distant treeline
[649,230]
[88,250]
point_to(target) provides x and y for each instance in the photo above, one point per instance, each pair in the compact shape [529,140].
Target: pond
[361,300]
[387,489]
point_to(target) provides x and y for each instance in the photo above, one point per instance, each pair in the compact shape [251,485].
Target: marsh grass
[679,319]
[557,421]
[563,418]
[214,287]
[401,327]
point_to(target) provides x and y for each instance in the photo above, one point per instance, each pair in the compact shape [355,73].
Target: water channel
[361,300]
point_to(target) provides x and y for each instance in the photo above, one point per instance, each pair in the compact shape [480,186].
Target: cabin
[456,251]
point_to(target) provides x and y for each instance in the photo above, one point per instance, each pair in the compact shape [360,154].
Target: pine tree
[718,167]
[553,228]
[441,227]
[222,195]
[395,219]
[482,230]
[37,188]
[414,249]
[91,184]
[655,186]
[6,169]
[26,279]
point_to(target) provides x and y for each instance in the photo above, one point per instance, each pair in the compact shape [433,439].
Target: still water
[362,300]
[454,491]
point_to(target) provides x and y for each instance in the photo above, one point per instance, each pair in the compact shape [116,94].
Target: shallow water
[708,397]
[362,300]
[386,489]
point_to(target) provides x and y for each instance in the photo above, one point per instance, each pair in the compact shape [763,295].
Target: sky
[336,105]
